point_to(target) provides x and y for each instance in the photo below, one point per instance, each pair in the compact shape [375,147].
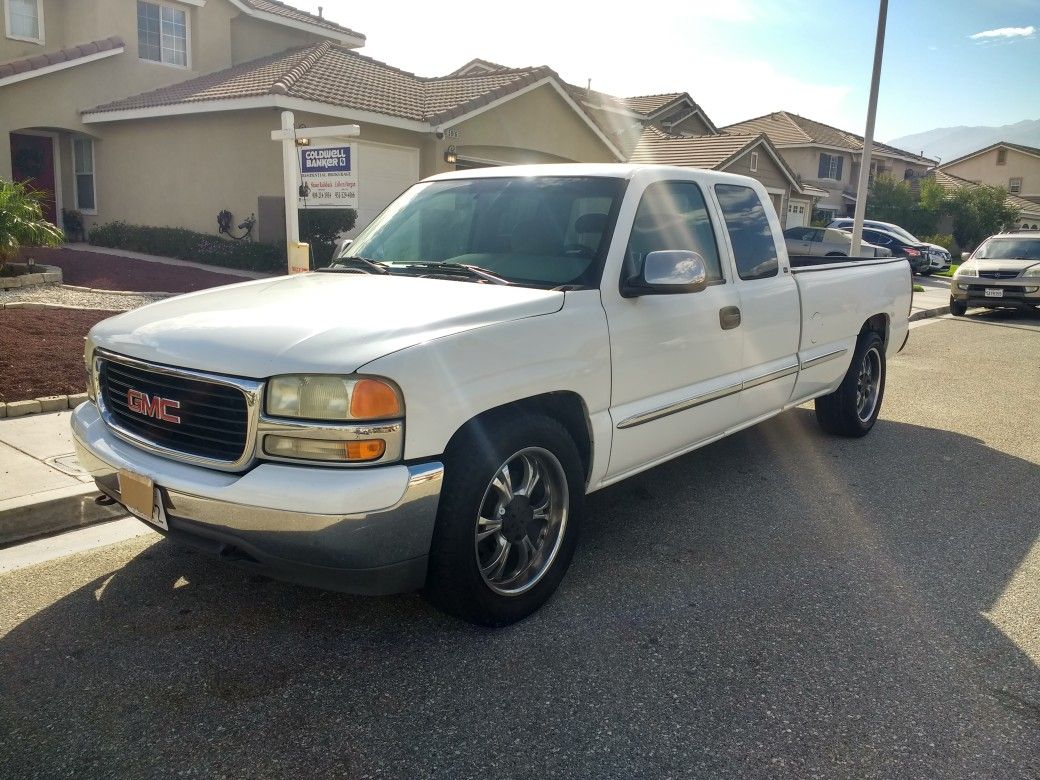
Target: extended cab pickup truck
[431,410]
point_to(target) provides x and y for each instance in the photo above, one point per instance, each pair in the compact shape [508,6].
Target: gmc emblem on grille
[156,407]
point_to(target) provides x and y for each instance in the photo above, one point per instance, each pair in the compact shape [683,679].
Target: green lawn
[952,270]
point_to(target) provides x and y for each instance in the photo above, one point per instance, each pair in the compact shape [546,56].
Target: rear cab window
[749,232]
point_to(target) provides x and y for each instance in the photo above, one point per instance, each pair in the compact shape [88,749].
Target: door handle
[729,317]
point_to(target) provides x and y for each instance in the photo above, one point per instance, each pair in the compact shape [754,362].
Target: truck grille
[998,274]
[179,413]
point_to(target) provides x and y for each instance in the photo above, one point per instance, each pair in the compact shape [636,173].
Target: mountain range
[947,143]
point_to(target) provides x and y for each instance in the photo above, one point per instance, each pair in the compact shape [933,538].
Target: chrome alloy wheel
[521,521]
[868,384]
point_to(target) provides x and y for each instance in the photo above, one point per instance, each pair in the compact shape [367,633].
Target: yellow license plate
[140,496]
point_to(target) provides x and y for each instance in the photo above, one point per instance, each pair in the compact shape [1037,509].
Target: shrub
[945,240]
[22,222]
[189,245]
[321,227]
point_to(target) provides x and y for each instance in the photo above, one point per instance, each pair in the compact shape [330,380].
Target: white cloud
[1004,32]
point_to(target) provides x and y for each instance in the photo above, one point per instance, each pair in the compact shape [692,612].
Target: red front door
[32,161]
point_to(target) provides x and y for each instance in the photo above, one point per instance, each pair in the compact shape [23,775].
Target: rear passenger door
[770,310]
[675,359]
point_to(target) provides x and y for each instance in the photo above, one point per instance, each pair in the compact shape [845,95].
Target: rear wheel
[508,519]
[958,308]
[853,408]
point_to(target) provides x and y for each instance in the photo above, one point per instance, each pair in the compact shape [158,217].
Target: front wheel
[508,519]
[958,308]
[853,408]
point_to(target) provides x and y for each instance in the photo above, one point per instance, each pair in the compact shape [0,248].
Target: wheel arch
[878,323]
[565,406]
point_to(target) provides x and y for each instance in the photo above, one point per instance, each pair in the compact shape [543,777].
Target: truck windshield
[1009,249]
[546,231]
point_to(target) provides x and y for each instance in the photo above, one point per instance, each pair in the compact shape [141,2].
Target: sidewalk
[934,301]
[42,488]
[104,250]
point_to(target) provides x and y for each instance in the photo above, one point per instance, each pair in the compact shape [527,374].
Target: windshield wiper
[473,271]
[362,264]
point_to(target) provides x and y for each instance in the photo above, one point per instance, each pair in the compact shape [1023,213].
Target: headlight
[88,365]
[967,270]
[324,397]
[1033,270]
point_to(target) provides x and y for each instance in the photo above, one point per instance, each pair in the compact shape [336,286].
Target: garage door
[384,172]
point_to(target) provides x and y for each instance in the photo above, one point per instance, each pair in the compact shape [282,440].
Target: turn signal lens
[324,449]
[371,399]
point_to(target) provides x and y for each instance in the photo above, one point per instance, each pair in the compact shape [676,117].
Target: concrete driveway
[779,604]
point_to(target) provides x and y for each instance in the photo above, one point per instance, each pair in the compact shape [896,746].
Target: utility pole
[868,135]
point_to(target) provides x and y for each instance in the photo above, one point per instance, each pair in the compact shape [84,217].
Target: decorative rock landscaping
[30,277]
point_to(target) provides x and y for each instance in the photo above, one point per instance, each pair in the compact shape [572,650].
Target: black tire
[958,308]
[454,581]
[839,413]
[926,272]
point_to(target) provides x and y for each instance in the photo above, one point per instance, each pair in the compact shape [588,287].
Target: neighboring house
[748,155]
[1014,167]
[60,56]
[1028,211]
[164,116]
[828,159]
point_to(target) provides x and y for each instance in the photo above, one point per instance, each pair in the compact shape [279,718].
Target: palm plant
[22,222]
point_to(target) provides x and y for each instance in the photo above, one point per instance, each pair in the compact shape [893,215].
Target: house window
[83,159]
[1015,185]
[754,162]
[1001,156]
[24,20]
[830,166]
[162,33]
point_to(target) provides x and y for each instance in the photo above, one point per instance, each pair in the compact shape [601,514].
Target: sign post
[331,172]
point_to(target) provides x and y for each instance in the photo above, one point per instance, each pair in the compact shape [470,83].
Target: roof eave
[88,58]
[348,38]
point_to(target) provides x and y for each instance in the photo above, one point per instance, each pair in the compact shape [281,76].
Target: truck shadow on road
[779,603]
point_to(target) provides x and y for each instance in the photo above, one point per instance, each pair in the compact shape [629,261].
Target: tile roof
[333,74]
[949,182]
[475,65]
[1017,147]
[785,128]
[69,54]
[296,15]
[648,104]
[700,151]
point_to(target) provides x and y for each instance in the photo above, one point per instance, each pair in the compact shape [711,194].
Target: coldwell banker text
[323,160]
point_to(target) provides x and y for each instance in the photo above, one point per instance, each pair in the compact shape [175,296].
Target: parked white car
[938,256]
[828,242]
[431,410]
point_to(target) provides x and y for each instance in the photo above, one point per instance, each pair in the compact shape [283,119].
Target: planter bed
[112,272]
[41,351]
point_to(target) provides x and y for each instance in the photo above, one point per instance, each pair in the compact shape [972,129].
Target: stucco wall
[537,126]
[252,38]
[984,169]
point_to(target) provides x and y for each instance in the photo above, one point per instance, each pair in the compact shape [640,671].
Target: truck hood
[318,322]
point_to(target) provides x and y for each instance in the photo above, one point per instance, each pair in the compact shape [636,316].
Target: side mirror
[340,245]
[965,255]
[667,272]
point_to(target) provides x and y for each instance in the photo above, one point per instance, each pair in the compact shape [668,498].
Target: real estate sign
[330,173]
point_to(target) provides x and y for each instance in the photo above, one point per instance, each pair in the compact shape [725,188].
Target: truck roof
[611,170]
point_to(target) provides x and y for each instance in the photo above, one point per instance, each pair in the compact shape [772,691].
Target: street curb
[100,291]
[26,517]
[43,305]
[929,313]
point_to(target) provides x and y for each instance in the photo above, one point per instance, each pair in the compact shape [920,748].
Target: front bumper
[359,530]
[1016,294]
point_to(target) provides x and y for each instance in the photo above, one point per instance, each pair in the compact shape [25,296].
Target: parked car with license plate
[827,242]
[430,411]
[939,257]
[1003,272]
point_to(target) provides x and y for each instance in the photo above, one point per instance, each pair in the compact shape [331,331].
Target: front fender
[449,381]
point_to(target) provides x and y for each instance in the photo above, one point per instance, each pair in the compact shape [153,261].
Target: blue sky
[741,58]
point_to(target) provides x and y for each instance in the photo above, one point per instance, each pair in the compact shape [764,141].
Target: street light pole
[868,135]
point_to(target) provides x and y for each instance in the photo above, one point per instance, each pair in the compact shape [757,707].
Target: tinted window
[1009,248]
[799,234]
[749,232]
[872,237]
[672,215]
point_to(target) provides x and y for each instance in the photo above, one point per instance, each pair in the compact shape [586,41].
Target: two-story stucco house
[160,112]
[1014,167]
[828,159]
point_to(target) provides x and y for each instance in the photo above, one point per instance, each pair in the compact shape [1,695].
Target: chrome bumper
[359,531]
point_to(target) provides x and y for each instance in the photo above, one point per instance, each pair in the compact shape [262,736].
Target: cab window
[749,231]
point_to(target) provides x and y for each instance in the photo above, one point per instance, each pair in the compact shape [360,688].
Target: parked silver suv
[1004,272]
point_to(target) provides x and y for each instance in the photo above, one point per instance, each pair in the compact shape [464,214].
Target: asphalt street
[779,604]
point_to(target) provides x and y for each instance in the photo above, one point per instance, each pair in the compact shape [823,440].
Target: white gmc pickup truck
[431,410]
